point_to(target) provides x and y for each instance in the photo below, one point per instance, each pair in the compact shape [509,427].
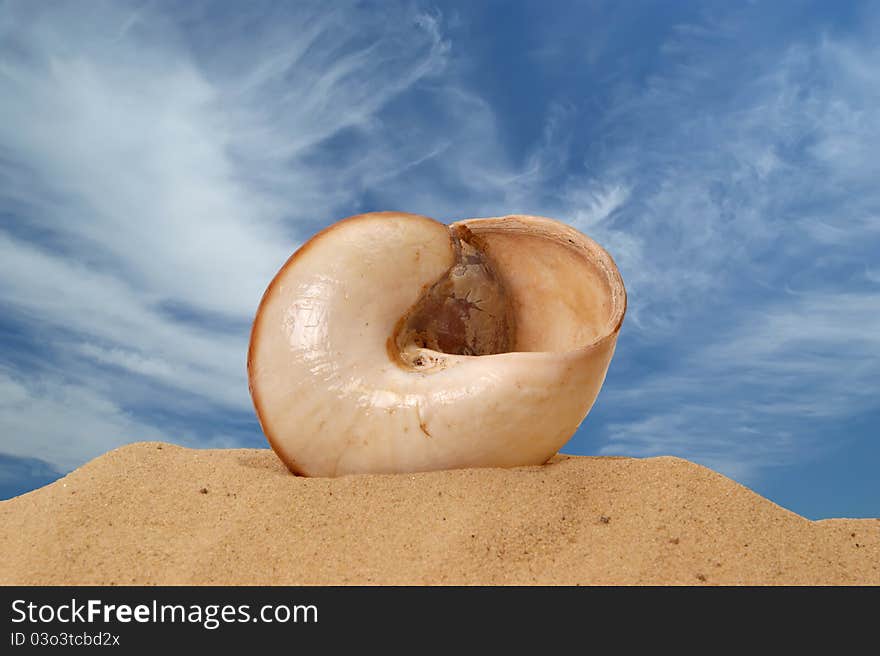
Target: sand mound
[154,513]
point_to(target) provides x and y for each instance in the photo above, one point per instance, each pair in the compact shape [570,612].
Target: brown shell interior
[519,284]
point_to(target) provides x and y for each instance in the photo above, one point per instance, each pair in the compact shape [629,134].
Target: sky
[159,161]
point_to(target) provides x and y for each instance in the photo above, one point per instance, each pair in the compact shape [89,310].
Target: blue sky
[160,160]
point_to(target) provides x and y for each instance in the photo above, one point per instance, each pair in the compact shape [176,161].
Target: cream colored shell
[332,397]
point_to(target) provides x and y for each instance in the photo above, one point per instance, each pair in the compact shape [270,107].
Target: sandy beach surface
[154,513]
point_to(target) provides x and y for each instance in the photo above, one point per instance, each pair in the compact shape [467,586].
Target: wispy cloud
[767,391]
[151,183]
[752,232]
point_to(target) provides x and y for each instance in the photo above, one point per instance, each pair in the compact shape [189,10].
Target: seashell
[390,342]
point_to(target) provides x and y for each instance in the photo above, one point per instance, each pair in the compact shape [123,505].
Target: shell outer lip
[603,257]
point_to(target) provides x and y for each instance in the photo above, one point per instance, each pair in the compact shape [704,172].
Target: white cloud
[592,207]
[753,397]
[57,294]
[62,424]
[65,424]
[141,173]
[142,143]
[722,440]
[738,203]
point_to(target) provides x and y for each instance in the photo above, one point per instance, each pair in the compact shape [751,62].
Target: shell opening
[468,311]
[517,284]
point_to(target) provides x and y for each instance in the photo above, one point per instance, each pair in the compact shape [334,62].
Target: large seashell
[390,342]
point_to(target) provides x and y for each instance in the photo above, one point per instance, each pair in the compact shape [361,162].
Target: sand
[154,513]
